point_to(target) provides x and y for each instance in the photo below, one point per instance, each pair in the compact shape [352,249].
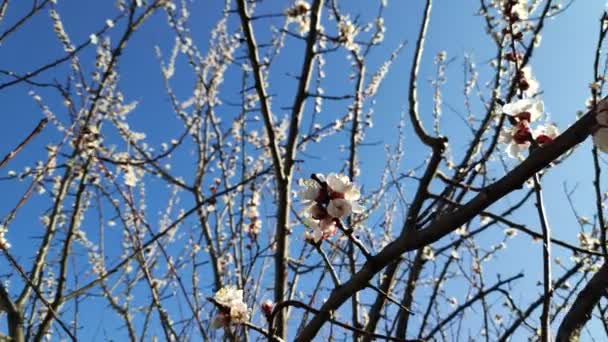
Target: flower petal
[339,207]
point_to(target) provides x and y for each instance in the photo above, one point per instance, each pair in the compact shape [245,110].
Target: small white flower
[339,207]
[299,14]
[510,232]
[516,139]
[427,253]
[462,230]
[93,39]
[4,244]
[232,299]
[344,196]
[531,82]
[520,10]
[310,190]
[347,33]
[239,312]
[545,134]
[525,109]
[340,183]
[130,176]
[454,254]
[321,229]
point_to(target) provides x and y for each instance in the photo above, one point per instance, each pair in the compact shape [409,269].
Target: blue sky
[562,65]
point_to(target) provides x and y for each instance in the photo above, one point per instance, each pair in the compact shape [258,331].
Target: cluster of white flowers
[428,253]
[519,136]
[4,244]
[527,82]
[90,141]
[327,200]
[516,8]
[103,58]
[232,307]
[587,240]
[299,14]
[378,77]
[223,262]
[60,31]
[347,32]
[252,213]
[130,176]
[380,30]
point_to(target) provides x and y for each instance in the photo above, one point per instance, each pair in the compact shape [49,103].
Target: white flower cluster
[517,9]
[60,31]
[428,254]
[518,137]
[328,200]
[347,32]
[4,244]
[232,307]
[130,176]
[253,214]
[298,13]
[380,31]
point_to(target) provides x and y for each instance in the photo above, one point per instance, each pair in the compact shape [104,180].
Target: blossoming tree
[255,187]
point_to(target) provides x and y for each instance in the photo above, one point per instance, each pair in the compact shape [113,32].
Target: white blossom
[531,82]
[516,139]
[299,14]
[525,109]
[321,229]
[341,195]
[4,244]
[510,232]
[347,32]
[130,177]
[545,134]
[310,190]
[428,253]
[231,299]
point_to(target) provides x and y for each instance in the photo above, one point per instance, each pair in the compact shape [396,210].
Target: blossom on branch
[520,136]
[232,307]
[527,82]
[545,134]
[327,200]
[347,32]
[524,110]
[337,194]
[299,14]
[267,307]
[321,228]
[517,139]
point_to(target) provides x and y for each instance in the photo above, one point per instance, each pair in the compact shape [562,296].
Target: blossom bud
[267,307]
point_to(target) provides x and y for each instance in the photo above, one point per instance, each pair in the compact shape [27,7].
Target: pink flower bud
[267,307]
